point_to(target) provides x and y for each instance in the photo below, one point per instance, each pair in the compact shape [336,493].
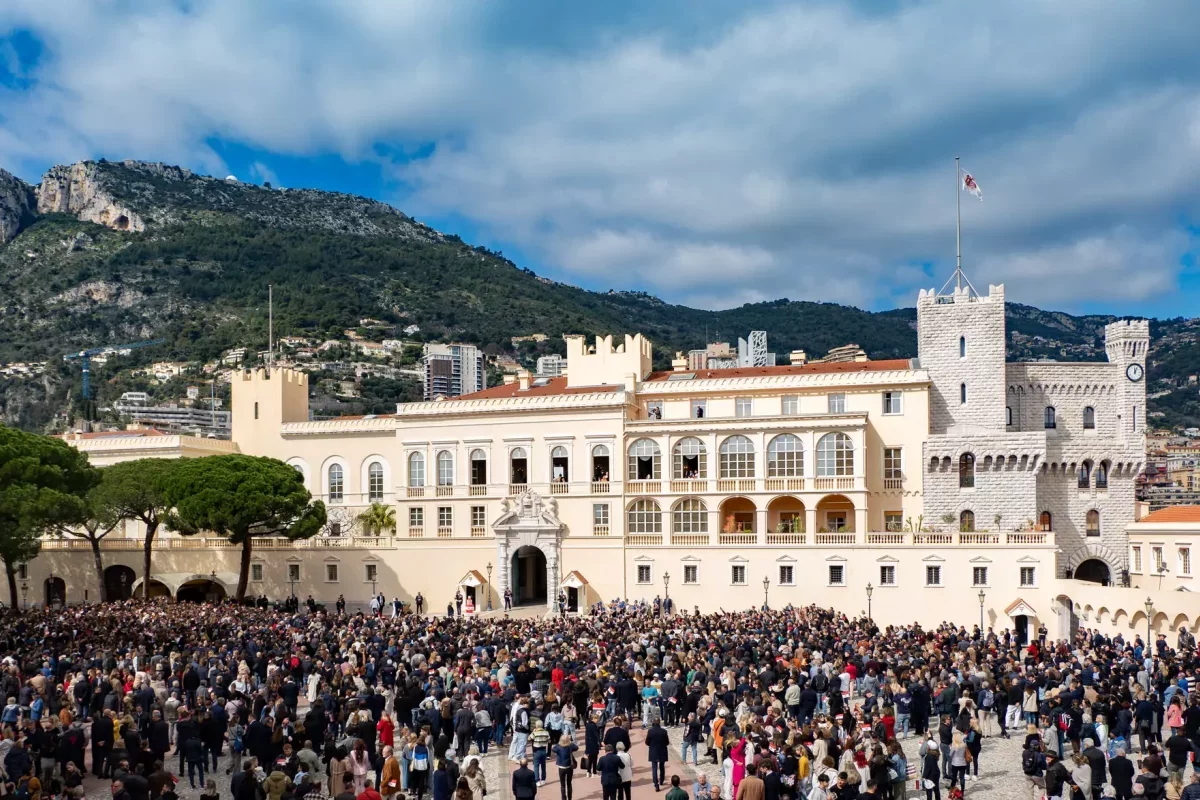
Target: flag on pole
[970,186]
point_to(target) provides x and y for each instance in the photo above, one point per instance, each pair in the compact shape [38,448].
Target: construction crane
[85,356]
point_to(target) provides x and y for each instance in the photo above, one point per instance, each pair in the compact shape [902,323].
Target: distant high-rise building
[452,370]
[550,366]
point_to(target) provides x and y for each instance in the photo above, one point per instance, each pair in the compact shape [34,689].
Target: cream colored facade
[797,484]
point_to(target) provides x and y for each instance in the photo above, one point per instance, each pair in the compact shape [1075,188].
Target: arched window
[645,517]
[518,466]
[966,522]
[1093,523]
[736,458]
[962,394]
[835,455]
[416,469]
[337,483]
[645,461]
[1085,475]
[785,457]
[375,482]
[1102,475]
[962,347]
[689,459]
[1044,521]
[445,468]
[689,516]
[1089,419]
[600,464]
[1051,418]
[478,468]
[966,471]
[560,465]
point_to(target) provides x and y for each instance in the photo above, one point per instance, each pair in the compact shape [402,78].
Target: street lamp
[52,593]
[124,580]
[1149,616]
[870,591]
[666,585]
[982,598]
[766,588]
[25,594]
[489,569]
[292,585]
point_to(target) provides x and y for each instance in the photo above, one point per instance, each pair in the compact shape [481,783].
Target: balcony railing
[785,484]
[840,537]
[478,490]
[833,483]
[893,483]
[445,533]
[599,530]
[416,533]
[787,538]
[689,486]
[974,537]
[445,490]
[515,489]
[735,484]
[887,537]
[1026,537]
[643,487]
[643,539]
[560,488]
[933,538]
[416,491]
[478,531]
[690,539]
[738,538]
[601,487]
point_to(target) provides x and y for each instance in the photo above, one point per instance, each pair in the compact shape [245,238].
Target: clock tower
[1126,343]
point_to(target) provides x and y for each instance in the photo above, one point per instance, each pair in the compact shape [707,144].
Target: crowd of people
[791,703]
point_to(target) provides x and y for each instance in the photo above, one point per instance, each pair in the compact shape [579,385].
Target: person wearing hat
[1057,774]
[931,772]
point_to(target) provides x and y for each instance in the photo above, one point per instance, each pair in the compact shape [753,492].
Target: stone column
[860,520]
[810,520]
[760,524]
[552,574]
[502,565]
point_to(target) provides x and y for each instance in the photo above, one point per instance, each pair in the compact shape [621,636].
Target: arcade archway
[1093,570]
[118,582]
[529,576]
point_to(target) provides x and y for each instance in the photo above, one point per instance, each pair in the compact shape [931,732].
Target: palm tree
[377,519]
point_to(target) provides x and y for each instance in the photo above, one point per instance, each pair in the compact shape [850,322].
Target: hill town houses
[953,484]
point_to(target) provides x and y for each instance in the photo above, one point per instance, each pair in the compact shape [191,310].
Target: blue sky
[710,152]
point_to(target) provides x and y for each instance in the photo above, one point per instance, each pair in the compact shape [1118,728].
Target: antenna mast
[270,325]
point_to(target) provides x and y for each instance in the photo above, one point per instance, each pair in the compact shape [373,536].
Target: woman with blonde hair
[476,781]
[958,761]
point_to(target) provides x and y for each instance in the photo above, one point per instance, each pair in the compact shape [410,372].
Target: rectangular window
[416,517]
[600,513]
[743,407]
[699,409]
[887,575]
[1185,561]
[445,516]
[837,403]
[372,572]
[331,573]
[791,404]
[933,575]
[691,573]
[23,572]
[837,575]
[478,516]
[893,465]
[1028,576]
[1137,559]
[643,573]
[787,575]
[293,572]
[256,572]
[893,521]
[654,409]
[893,402]
[739,574]
[835,521]
[979,576]
[1159,564]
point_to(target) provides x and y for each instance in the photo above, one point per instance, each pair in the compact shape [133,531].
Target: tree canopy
[240,497]
[135,490]
[43,483]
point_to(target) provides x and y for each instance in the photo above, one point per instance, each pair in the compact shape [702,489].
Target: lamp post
[766,589]
[292,585]
[124,580]
[372,586]
[24,594]
[1149,617]
[982,598]
[666,585]
[51,597]
[489,569]
[870,591]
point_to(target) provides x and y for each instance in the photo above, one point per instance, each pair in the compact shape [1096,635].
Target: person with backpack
[1033,765]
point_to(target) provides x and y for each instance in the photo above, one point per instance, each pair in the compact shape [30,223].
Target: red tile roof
[553,386]
[113,434]
[1173,514]
[788,369]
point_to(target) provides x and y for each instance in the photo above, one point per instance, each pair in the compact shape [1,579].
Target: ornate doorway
[527,548]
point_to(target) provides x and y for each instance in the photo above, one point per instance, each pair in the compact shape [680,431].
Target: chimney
[679,363]
[799,358]
[861,356]
[509,378]
[523,380]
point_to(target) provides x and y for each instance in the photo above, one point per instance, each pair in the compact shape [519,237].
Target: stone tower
[1126,343]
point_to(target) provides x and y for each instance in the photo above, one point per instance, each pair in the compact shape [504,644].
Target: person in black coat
[931,774]
[772,782]
[102,745]
[659,743]
[617,733]
[1121,772]
[610,773]
[591,745]
[257,740]
[524,782]
[159,737]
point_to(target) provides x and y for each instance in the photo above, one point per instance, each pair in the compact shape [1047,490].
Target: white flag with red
[970,186]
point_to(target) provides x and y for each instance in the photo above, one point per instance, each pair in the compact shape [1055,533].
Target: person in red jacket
[556,676]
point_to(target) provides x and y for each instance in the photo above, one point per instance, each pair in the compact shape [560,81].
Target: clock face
[1134,372]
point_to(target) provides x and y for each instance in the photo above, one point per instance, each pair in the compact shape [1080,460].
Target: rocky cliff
[78,190]
[17,205]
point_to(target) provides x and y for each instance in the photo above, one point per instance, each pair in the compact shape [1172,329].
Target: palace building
[912,489]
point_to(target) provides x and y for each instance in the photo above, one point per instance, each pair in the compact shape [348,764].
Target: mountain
[103,253]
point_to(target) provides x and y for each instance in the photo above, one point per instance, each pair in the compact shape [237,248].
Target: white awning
[1020,608]
[472,578]
[574,580]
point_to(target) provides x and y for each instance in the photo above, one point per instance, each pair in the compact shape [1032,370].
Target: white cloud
[714,155]
[264,174]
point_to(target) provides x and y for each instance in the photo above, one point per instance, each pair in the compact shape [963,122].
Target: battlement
[605,363]
[1127,340]
[962,294]
[265,374]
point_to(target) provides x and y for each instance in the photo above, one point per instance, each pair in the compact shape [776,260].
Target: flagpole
[958,225]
